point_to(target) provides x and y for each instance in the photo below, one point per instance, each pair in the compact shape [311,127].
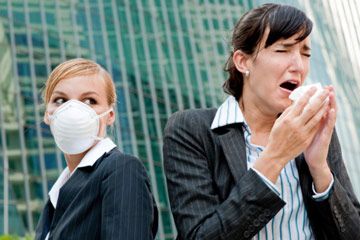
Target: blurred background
[164,55]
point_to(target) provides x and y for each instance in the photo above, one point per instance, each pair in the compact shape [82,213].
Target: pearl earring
[247,73]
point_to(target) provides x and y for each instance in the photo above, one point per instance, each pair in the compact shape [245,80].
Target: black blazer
[214,196]
[109,200]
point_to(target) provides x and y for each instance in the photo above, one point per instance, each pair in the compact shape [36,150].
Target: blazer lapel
[45,221]
[69,191]
[233,145]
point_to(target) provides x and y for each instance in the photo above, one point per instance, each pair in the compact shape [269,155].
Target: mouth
[290,85]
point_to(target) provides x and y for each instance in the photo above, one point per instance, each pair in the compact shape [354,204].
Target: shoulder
[116,162]
[190,130]
[191,119]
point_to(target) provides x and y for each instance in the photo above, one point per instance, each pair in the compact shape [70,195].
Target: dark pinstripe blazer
[214,196]
[109,200]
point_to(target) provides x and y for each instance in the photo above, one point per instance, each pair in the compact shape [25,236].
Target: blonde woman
[102,193]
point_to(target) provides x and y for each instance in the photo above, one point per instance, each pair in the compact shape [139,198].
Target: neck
[73,160]
[259,121]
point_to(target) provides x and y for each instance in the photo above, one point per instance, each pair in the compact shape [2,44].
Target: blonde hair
[75,68]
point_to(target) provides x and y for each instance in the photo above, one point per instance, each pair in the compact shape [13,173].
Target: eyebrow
[82,95]
[288,45]
[89,93]
[58,92]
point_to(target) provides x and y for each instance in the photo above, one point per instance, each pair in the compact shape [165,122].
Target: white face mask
[75,126]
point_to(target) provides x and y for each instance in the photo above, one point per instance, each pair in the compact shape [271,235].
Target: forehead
[288,41]
[293,40]
[81,84]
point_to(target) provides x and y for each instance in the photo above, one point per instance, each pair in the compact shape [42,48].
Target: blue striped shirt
[291,222]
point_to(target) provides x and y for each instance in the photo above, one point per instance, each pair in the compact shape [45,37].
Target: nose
[298,63]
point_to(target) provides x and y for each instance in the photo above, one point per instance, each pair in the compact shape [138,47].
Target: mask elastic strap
[100,116]
[104,113]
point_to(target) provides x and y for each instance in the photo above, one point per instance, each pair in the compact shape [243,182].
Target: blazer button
[341,224]
[262,218]
[267,212]
[246,234]
[251,228]
[256,223]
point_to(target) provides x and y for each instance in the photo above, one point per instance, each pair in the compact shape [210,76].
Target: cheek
[49,111]
[306,67]
[271,68]
[50,108]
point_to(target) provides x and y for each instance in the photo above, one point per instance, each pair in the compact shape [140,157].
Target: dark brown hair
[283,22]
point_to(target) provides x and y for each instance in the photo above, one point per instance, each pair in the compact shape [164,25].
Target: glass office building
[164,55]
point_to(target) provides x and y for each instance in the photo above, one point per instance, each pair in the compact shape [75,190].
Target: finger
[328,127]
[313,131]
[315,120]
[330,87]
[331,121]
[332,99]
[331,118]
[314,105]
[303,101]
[284,113]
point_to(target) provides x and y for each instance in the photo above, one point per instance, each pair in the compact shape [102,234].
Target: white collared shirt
[292,221]
[90,158]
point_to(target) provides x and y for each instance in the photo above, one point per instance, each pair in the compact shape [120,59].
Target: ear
[241,61]
[111,119]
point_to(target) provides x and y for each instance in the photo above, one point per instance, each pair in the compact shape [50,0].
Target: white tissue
[298,92]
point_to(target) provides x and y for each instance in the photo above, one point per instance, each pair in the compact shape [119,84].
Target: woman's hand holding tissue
[316,153]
